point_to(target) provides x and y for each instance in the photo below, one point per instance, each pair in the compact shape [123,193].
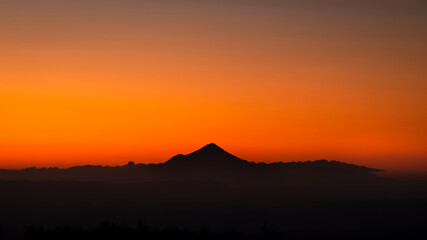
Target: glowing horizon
[109,82]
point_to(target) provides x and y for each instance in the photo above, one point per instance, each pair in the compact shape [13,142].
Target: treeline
[110,231]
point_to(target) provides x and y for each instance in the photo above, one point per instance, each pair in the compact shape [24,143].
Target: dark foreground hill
[292,212]
[210,163]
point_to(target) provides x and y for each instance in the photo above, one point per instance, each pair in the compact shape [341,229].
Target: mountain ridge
[209,163]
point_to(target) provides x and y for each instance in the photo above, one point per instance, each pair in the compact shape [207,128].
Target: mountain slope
[209,155]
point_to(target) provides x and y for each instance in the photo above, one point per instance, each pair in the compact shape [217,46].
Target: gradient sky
[106,82]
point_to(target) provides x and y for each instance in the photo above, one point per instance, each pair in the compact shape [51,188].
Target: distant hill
[210,163]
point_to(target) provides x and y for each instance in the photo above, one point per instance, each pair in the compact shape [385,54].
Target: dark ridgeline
[210,189]
[210,163]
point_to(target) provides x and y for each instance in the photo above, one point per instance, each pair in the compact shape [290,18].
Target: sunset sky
[111,81]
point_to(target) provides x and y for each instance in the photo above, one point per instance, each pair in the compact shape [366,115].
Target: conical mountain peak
[211,147]
[209,154]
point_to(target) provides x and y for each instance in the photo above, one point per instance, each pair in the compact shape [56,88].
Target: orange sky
[105,82]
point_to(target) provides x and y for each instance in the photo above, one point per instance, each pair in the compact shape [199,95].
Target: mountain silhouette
[209,155]
[209,163]
[213,163]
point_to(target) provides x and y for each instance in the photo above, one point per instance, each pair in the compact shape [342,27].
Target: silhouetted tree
[1,233]
[268,233]
[142,227]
